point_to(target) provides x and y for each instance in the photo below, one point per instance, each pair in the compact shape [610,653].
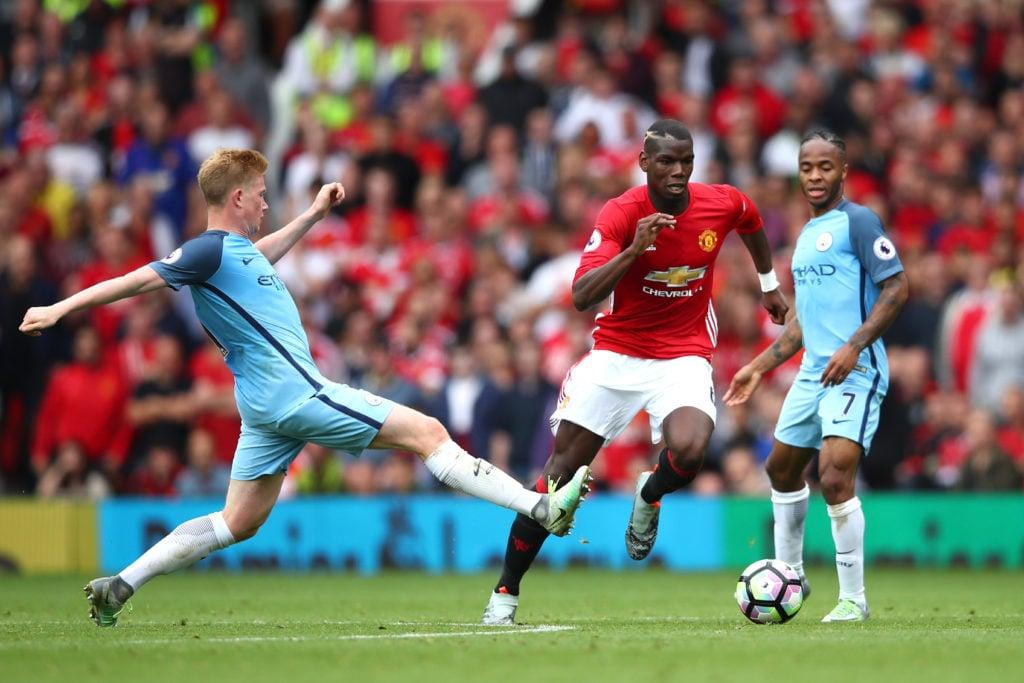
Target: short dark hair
[829,137]
[665,129]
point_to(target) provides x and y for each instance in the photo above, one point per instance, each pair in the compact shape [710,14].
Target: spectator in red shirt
[115,256]
[381,210]
[29,218]
[161,408]
[743,92]
[415,140]
[157,474]
[97,424]
[510,203]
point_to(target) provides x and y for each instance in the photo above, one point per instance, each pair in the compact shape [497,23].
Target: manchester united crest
[708,240]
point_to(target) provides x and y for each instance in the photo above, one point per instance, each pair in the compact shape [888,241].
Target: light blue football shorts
[850,410]
[337,416]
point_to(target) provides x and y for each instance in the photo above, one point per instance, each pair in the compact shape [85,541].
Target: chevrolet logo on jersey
[680,276]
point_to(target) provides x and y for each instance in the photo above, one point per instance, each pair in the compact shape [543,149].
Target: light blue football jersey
[839,259]
[250,315]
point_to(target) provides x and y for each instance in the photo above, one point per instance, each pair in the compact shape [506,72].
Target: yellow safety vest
[333,109]
[66,10]
[431,55]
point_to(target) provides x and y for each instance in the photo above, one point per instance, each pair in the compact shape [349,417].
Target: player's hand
[39,318]
[328,197]
[775,303]
[647,229]
[742,386]
[840,365]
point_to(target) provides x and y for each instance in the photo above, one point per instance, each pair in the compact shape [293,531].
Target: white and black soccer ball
[769,592]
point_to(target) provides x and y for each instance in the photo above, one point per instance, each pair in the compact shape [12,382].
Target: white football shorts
[605,390]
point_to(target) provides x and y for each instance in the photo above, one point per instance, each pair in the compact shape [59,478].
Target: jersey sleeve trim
[873,248]
[192,263]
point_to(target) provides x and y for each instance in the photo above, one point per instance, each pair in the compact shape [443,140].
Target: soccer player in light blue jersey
[850,286]
[283,399]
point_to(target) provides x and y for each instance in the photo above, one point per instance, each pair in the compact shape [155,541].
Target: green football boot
[108,597]
[847,610]
[562,502]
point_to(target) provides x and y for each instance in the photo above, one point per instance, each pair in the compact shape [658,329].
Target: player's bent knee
[243,526]
[836,486]
[244,529]
[783,475]
[428,434]
[411,430]
[434,431]
[777,472]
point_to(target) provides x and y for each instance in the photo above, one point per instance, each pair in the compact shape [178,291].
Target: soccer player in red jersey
[653,250]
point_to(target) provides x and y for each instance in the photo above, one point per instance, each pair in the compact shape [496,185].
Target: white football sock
[848,534]
[458,469]
[190,542]
[790,512]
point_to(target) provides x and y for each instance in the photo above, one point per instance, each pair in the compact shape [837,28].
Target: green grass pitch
[578,625]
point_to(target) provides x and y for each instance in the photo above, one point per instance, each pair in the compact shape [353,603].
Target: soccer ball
[769,592]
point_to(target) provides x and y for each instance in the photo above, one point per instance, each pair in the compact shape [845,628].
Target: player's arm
[749,224]
[771,296]
[276,244]
[749,376]
[139,281]
[894,292]
[597,284]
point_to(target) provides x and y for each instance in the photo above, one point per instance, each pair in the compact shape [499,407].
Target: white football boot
[501,609]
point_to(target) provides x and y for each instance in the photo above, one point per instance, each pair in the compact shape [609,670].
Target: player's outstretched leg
[687,432]
[838,469]
[574,448]
[790,493]
[410,430]
[247,507]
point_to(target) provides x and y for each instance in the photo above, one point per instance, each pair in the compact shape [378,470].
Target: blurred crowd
[476,156]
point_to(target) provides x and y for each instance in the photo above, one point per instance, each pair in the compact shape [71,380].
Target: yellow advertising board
[53,536]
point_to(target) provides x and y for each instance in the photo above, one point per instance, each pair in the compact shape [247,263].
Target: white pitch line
[244,622]
[299,639]
[360,636]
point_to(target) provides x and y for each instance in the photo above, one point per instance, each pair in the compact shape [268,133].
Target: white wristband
[769,281]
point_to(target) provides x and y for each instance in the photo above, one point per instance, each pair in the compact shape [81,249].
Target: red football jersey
[661,307]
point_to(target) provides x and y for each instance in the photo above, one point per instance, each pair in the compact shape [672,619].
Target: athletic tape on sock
[789,497]
[221,529]
[843,509]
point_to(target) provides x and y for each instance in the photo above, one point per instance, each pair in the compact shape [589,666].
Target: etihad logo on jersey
[679,276]
[814,270]
[271,281]
[813,274]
